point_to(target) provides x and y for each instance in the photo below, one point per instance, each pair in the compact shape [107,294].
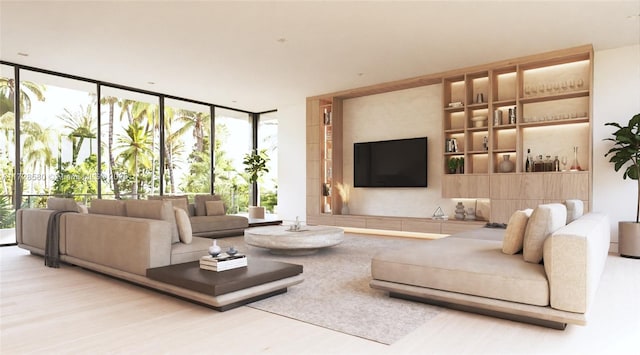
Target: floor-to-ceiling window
[130,138]
[7,154]
[187,147]
[130,149]
[233,139]
[268,141]
[58,138]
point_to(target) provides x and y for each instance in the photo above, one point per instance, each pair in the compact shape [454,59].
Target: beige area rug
[336,295]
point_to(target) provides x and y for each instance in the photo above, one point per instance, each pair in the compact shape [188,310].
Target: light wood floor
[75,311]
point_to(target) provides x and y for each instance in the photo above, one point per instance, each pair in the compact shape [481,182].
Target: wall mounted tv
[392,163]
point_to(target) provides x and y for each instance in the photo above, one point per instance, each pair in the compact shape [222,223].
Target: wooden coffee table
[279,240]
[225,290]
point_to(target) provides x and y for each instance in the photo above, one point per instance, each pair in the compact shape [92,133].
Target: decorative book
[222,263]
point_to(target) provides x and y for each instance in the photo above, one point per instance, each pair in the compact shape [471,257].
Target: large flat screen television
[392,163]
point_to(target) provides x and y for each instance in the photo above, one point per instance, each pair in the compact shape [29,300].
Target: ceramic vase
[506,165]
[345,208]
[460,211]
[214,249]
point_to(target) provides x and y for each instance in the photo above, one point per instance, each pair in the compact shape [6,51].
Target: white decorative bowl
[479,121]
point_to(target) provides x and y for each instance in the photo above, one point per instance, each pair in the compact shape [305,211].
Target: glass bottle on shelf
[528,164]
[556,164]
[575,166]
[538,164]
[548,164]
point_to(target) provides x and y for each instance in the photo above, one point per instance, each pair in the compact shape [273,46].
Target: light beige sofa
[206,223]
[469,271]
[108,240]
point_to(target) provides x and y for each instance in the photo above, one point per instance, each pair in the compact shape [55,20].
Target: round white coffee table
[279,240]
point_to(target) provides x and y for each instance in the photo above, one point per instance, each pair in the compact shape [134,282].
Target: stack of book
[222,263]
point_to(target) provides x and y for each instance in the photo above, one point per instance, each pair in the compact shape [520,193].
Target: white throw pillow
[215,208]
[544,220]
[514,235]
[184,225]
[575,209]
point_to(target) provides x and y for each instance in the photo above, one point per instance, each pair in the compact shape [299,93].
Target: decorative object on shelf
[556,164]
[452,163]
[460,212]
[485,143]
[214,249]
[471,214]
[512,115]
[232,251]
[327,117]
[479,121]
[528,164]
[461,165]
[343,191]
[456,104]
[439,214]
[497,117]
[625,155]
[506,165]
[538,165]
[480,98]
[327,208]
[451,145]
[575,166]
[548,164]
[564,162]
[326,189]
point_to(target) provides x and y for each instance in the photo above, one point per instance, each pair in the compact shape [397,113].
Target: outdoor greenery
[60,157]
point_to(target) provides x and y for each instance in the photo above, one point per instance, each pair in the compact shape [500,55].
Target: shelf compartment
[504,140]
[504,85]
[454,120]
[478,84]
[498,157]
[554,97]
[557,110]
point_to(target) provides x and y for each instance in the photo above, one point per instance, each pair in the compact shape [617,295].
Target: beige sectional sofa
[471,272]
[124,239]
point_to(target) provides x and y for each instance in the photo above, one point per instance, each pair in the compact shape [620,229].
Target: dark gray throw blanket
[52,247]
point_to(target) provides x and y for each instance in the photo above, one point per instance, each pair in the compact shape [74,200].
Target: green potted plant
[461,165]
[625,155]
[452,163]
[255,165]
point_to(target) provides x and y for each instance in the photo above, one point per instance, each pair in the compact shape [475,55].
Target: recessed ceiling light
[281,40]
[23,54]
[151,82]
[360,74]
[633,17]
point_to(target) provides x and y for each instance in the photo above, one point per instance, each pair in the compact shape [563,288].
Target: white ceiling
[264,55]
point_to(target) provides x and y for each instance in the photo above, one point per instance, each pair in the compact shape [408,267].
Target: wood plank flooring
[73,311]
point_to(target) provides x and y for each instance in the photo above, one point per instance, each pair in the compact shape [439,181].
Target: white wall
[292,162]
[400,114]
[616,93]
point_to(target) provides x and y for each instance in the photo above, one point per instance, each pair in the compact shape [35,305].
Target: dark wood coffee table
[225,290]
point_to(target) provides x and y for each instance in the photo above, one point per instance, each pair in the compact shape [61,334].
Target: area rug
[336,295]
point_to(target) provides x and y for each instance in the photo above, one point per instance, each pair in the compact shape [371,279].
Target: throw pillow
[200,201]
[514,235]
[62,204]
[215,208]
[544,220]
[180,201]
[184,225]
[82,208]
[575,209]
[158,209]
[110,207]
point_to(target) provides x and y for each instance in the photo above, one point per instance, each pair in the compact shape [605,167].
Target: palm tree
[82,125]
[37,147]
[110,101]
[173,147]
[197,121]
[147,114]
[27,88]
[135,151]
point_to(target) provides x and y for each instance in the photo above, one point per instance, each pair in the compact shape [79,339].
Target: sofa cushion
[184,253]
[203,224]
[575,209]
[62,204]
[200,201]
[514,235]
[154,209]
[184,225]
[108,207]
[180,201]
[544,220]
[469,266]
[214,208]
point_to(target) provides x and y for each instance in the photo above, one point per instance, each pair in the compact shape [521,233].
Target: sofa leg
[486,312]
